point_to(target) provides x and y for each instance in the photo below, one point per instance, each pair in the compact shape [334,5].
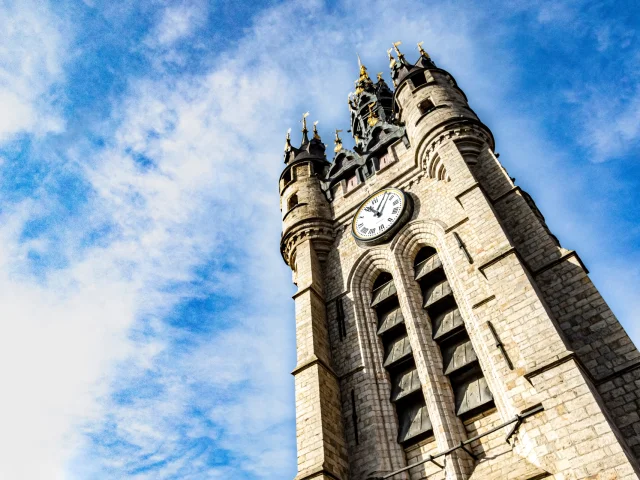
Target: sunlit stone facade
[470,315]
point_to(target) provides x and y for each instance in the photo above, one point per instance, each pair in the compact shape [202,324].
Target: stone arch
[435,167]
[363,274]
[408,242]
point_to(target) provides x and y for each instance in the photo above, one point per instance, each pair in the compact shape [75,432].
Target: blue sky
[147,325]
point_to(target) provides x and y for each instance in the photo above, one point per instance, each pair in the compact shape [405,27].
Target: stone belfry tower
[442,331]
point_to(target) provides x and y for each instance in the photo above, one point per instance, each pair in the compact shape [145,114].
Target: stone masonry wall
[562,348]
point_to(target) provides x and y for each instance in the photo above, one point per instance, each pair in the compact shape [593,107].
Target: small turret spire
[315,131]
[398,52]
[364,81]
[287,145]
[392,61]
[305,137]
[421,50]
[338,142]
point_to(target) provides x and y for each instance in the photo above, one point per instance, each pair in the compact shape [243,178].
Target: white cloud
[177,22]
[32,50]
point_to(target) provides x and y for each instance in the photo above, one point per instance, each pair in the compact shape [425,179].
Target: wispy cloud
[33,45]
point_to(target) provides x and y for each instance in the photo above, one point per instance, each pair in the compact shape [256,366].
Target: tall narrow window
[460,363]
[287,177]
[406,391]
[292,202]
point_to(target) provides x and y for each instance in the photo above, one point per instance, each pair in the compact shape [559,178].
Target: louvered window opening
[406,391]
[460,363]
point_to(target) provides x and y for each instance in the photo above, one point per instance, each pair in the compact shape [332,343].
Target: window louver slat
[471,391]
[437,292]
[382,293]
[405,384]
[427,266]
[457,356]
[390,320]
[398,350]
[414,421]
[447,322]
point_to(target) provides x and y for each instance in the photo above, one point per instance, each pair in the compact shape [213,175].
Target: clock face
[379,215]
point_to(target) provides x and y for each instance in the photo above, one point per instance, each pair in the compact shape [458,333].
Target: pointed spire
[392,60]
[338,142]
[364,81]
[398,52]
[287,145]
[305,137]
[315,131]
[421,50]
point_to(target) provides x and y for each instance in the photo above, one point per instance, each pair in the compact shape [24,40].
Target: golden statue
[398,52]
[364,79]
[392,61]
[373,115]
[338,142]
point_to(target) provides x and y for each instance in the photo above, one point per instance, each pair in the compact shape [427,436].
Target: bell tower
[442,330]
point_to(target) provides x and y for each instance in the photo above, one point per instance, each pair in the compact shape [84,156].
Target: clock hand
[383,204]
[384,196]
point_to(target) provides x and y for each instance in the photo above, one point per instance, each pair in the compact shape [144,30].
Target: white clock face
[378,214]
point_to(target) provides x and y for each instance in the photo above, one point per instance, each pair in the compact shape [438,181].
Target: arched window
[292,202]
[460,363]
[406,391]
[436,169]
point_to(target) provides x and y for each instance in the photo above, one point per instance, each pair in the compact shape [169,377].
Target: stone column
[320,430]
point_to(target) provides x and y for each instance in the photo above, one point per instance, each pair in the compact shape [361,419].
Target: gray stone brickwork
[544,337]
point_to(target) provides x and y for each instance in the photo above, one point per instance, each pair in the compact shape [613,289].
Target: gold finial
[379,76]
[373,115]
[315,130]
[364,79]
[392,61]
[421,50]
[398,52]
[337,141]
[287,145]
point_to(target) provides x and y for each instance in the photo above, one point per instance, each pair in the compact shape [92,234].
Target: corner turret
[305,209]
[427,99]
